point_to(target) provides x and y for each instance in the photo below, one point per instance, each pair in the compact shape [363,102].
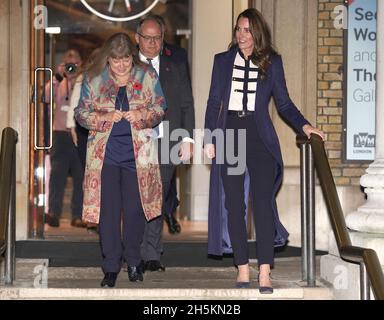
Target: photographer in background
[65,158]
[79,133]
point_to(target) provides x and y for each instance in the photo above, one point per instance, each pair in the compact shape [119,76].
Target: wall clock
[127,15]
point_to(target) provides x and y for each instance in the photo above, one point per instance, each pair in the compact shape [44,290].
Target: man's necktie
[151,64]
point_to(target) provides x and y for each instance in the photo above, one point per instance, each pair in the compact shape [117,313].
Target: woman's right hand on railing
[308,130]
[209,150]
[113,116]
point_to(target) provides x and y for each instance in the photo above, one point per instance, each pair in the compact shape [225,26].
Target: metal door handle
[49,146]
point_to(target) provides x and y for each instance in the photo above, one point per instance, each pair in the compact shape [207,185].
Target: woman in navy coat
[244,78]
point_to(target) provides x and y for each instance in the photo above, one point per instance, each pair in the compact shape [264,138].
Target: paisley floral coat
[98,97]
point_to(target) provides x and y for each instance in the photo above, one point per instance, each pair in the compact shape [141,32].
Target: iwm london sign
[361,83]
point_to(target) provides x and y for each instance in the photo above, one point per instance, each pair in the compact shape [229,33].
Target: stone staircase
[36,281]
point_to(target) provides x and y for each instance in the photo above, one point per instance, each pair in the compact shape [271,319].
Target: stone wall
[330,103]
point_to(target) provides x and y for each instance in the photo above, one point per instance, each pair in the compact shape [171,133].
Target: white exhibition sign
[361,80]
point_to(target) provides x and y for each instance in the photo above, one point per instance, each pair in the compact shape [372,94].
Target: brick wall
[330,104]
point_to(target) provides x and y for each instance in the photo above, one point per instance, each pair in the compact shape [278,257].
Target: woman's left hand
[132,115]
[186,151]
[308,130]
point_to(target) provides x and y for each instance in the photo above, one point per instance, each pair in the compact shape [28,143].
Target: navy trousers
[120,202]
[64,161]
[261,167]
[152,246]
[82,139]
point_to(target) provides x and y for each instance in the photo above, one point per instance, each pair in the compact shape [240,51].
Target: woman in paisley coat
[121,101]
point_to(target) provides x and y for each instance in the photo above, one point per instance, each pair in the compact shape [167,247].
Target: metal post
[310,220]
[303,178]
[365,288]
[10,252]
[307,190]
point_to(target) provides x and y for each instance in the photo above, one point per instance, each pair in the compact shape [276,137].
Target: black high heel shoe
[264,290]
[135,273]
[242,284]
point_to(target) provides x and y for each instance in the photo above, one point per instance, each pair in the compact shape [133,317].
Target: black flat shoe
[135,273]
[78,223]
[173,224]
[153,265]
[109,279]
[93,228]
[52,220]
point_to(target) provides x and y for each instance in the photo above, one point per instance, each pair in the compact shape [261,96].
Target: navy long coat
[216,115]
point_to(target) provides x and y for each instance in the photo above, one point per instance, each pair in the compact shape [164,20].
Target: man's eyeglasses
[150,39]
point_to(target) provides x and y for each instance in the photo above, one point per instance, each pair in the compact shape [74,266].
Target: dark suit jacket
[177,91]
[274,85]
[178,54]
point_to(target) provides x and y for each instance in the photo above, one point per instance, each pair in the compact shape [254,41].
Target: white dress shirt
[155,62]
[244,85]
[156,65]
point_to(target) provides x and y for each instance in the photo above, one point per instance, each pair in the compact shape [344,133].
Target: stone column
[19,104]
[210,35]
[4,63]
[368,220]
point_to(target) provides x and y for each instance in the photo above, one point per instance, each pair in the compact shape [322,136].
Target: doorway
[73,24]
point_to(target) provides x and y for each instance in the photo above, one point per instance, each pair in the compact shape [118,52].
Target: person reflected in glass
[80,134]
[64,157]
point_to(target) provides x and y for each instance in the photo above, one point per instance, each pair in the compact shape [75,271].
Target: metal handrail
[371,273]
[8,201]
[307,191]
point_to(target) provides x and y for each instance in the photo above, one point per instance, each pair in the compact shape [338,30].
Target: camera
[70,68]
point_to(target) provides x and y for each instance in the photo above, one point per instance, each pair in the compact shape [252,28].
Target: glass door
[40,122]
[56,26]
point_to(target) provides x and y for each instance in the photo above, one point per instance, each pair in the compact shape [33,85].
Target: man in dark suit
[174,79]
[178,55]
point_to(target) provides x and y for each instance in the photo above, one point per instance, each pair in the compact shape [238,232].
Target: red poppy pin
[137,86]
[168,52]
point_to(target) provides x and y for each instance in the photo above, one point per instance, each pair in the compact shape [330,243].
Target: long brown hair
[263,48]
[117,46]
[86,65]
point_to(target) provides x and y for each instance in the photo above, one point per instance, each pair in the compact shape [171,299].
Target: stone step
[162,294]
[35,280]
